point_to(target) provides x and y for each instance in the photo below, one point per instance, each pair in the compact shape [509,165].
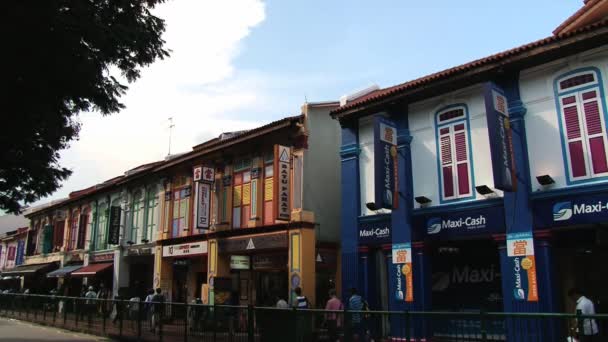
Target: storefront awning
[92,269]
[26,270]
[63,272]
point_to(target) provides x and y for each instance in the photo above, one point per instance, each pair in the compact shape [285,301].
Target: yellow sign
[238,195]
[295,252]
[247,194]
[268,189]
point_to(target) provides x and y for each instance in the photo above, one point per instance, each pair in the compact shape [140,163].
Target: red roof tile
[385,93]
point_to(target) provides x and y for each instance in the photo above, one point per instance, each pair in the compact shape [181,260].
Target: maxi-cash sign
[463,223]
[574,210]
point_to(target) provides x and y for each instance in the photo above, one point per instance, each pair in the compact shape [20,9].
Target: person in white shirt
[586,307]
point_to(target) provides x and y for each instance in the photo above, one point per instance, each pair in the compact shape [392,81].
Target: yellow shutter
[268,189]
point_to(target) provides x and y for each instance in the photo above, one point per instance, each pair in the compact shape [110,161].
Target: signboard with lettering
[573,210]
[520,250]
[499,132]
[402,265]
[375,233]
[208,174]
[101,257]
[114,232]
[240,262]
[203,204]
[385,163]
[253,243]
[197,173]
[448,225]
[282,174]
[192,248]
[269,261]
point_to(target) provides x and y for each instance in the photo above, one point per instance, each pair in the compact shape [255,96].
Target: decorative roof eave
[249,135]
[579,16]
[535,53]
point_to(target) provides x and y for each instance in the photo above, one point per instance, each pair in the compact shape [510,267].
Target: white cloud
[195,86]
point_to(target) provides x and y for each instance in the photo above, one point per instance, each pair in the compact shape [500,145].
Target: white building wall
[424,145]
[542,126]
[366,163]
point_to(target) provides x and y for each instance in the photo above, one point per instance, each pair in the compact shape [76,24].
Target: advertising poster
[402,266]
[520,250]
[203,204]
[385,163]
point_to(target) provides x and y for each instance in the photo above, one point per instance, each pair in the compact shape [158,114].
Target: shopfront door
[270,284]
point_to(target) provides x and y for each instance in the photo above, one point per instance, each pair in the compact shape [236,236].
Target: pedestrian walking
[331,319]
[356,303]
[590,331]
[301,301]
[281,303]
[148,306]
[158,301]
[90,302]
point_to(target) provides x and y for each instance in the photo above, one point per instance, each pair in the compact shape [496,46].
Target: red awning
[92,269]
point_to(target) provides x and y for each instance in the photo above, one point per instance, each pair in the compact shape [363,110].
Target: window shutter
[462,159]
[574,136]
[446,162]
[595,132]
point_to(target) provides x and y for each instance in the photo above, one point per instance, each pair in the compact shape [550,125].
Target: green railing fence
[138,321]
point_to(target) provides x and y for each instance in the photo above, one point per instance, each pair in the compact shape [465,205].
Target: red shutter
[447,162]
[595,132]
[462,160]
[573,137]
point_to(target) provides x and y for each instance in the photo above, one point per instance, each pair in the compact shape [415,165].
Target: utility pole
[171,125]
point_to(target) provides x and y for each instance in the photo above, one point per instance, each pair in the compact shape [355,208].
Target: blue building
[483,186]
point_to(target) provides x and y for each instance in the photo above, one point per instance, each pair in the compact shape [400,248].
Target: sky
[238,64]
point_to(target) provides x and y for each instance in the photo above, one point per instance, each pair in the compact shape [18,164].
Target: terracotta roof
[215,144]
[588,4]
[500,60]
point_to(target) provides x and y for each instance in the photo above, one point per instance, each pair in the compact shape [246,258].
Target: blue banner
[385,163]
[582,209]
[482,221]
[499,132]
[375,232]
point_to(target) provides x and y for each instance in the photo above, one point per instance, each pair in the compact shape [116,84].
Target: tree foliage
[58,55]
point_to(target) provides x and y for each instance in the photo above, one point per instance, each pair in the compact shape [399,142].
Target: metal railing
[139,321]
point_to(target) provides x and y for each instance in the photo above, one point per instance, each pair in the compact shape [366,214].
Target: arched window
[454,153]
[582,124]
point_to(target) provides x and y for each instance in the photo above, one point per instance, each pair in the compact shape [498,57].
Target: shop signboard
[282,174]
[185,249]
[402,266]
[253,243]
[269,262]
[101,257]
[197,173]
[114,233]
[574,210]
[136,251]
[385,163]
[240,262]
[463,223]
[520,250]
[203,199]
[499,132]
[375,232]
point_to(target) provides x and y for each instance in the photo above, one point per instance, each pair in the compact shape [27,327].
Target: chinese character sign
[402,266]
[520,250]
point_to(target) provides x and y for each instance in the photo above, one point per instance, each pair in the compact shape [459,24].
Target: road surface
[18,331]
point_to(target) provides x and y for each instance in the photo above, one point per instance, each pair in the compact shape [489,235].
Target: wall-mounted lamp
[484,190]
[422,200]
[545,180]
[145,240]
[371,206]
[130,243]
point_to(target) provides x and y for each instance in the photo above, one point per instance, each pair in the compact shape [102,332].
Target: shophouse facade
[12,254]
[499,181]
[242,220]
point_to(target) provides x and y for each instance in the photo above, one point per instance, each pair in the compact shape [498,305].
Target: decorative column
[364,263]
[350,210]
[519,218]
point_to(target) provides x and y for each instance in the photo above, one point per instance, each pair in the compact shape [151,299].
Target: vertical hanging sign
[402,266]
[204,177]
[385,163]
[114,233]
[520,250]
[282,173]
[499,132]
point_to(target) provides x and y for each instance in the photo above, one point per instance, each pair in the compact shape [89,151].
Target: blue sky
[239,64]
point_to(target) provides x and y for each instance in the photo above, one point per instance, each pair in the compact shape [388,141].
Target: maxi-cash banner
[520,250]
[385,163]
[499,132]
[402,266]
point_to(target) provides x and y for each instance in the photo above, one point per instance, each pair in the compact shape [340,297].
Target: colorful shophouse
[468,189]
[253,214]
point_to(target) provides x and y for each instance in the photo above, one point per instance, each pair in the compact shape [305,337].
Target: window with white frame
[454,153]
[583,126]
[151,213]
[101,241]
[137,215]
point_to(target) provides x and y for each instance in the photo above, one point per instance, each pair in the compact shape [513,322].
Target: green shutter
[47,246]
